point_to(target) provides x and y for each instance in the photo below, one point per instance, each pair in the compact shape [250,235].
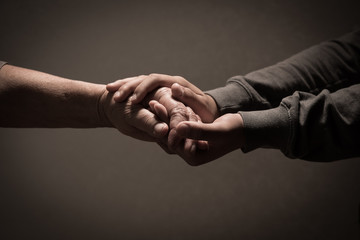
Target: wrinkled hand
[137,121]
[182,90]
[132,119]
[174,112]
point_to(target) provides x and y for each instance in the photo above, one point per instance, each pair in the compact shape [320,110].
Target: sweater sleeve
[322,127]
[330,65]
[308,106]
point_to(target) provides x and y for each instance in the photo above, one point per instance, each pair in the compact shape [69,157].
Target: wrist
[103,101]
[212,108]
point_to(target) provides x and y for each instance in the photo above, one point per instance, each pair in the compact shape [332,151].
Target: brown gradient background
[99,184]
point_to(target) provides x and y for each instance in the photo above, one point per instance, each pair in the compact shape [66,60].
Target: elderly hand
[173,112]
[131,119]
[136,120]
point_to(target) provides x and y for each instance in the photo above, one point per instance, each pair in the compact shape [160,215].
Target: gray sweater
[308,106]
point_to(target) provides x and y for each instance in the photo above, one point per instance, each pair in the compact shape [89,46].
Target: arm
[321,127]
[307,106]
[330,65]
[310,102]
[34,99]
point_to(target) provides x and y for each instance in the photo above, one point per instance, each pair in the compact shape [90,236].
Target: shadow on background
[98,184]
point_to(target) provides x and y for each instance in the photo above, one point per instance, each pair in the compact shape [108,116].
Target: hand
[173,112]
[224,135]
[185,148]
[137,121]
[131,119]
[182,90]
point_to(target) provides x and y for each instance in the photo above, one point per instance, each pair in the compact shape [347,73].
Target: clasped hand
[193,130]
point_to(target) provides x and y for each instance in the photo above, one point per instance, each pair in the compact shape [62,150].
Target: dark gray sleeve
[308,105]
[330,65]
[2,64]
[322,127]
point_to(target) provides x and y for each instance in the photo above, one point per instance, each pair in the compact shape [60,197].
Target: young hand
[222,136]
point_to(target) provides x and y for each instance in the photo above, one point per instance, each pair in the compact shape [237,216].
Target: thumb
[198,131]
[196,101]
[160,110]
[187,96]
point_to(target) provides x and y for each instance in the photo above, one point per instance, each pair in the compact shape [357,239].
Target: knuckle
[190,112]
[162,93]
[125,88]
[179,78]
[154,75]
[165,90]
[128,111]
[179,111]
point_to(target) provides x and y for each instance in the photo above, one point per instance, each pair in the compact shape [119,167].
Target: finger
[146,121]
[159,110]
[193,157]
[199,131]
[190,98]
[201,156]
[189,147]
[187,96]
[175,140]
[202,145]
[127,88]
[114,86]
[190,144]
[150,83]
[154,81]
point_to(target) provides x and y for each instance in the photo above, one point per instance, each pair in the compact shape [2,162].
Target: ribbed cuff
[267,129]
[231,98]
[2,64]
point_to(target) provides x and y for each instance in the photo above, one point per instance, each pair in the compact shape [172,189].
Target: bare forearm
[34,99]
